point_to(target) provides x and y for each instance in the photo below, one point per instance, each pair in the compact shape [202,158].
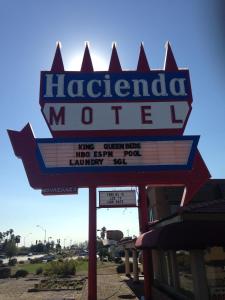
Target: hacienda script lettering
[74,86]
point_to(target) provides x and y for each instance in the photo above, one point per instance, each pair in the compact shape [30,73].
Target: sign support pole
[92,267]
[147,257]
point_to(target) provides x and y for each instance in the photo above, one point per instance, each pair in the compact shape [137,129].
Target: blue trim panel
[99,90]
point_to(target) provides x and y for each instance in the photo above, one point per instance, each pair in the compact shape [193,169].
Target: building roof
[212,206]
[184,236]
[198,225]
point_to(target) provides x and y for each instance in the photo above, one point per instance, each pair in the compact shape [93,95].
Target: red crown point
[143,65]
[87,65]
[57,64]
[114,65]
[170,63]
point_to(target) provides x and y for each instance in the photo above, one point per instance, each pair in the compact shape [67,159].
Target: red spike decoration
[57,64]
[143,65]
[87,65]
[114,65]
[170,62]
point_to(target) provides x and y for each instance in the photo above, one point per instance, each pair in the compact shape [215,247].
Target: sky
[29,31]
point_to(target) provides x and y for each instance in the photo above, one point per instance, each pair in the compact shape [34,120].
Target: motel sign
[113,128]
[126,125]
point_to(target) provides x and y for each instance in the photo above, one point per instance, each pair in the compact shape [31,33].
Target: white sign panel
[138,153]
[116,116]
[117,198]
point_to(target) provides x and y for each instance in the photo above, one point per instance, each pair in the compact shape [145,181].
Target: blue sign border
[123,168]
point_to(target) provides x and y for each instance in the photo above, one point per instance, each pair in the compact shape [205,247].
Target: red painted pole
[147,257]
[92,268]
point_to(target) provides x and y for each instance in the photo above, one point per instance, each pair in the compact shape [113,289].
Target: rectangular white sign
[116,116]
[117,198]
[101,155]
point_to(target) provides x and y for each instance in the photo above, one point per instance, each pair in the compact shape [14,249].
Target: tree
[39,247]
[17,239]
[50,246]
[10,248]
[9,242]
[83,245]
[58,247]
[103,232]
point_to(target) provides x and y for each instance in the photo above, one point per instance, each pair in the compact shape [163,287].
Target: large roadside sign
[126,126]
[112,128]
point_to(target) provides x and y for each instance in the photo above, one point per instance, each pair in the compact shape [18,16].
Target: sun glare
[99,63]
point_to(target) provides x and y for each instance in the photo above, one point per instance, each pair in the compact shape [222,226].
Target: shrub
[118,260]
[21,273]
[12,262]
[39,271]
[82,258]
[61,269]
[79,258]
[36,260]
[5,272]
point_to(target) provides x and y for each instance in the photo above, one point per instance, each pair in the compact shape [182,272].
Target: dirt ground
[13,289]
[110,285]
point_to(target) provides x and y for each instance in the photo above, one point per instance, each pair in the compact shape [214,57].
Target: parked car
[83,253]
[48,258]
[35,260]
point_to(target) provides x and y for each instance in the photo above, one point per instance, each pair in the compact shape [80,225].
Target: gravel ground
[17,289]
[110,285]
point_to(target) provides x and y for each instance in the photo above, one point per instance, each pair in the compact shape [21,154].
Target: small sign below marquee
[53,191]
[123,198]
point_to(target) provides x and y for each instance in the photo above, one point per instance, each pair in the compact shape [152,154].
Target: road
[23,258]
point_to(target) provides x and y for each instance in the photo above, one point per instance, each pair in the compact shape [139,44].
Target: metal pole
[147,257]
[92,268]
[127,263]
[44,231]
[135,265]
